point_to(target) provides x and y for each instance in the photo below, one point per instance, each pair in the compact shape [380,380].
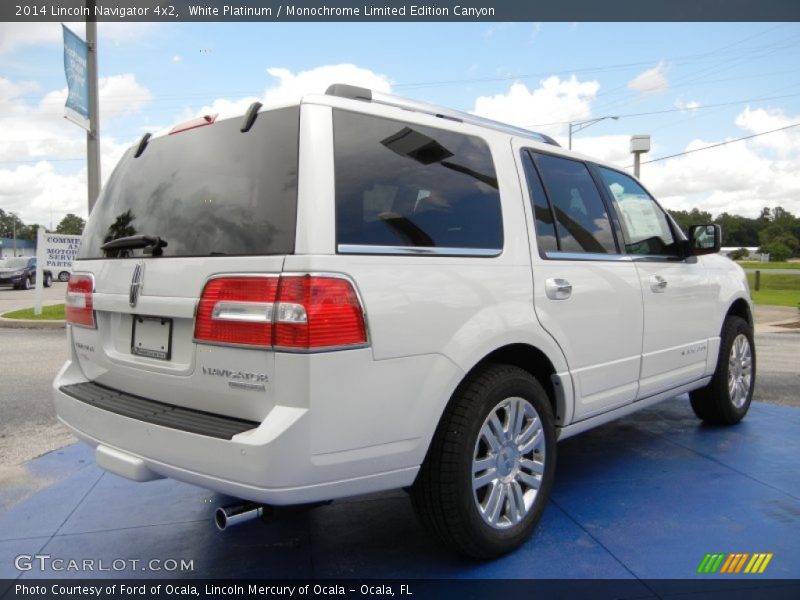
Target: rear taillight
[79,304]
[293,312]
[237,310]
[316,312]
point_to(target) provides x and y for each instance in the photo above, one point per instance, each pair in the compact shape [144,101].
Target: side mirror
[704,239]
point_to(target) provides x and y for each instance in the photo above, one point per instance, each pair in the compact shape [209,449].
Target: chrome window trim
[417,250]
[590,256]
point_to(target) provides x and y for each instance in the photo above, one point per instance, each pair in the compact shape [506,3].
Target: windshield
[13,263]
[209,191]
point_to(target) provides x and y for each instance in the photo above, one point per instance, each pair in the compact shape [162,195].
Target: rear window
[403,185]
[209,191]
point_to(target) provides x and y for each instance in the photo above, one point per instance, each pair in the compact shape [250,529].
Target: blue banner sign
[75,58]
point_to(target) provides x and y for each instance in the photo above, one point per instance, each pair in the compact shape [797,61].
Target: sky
[537,75]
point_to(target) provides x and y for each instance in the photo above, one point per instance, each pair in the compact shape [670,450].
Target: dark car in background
[20,273]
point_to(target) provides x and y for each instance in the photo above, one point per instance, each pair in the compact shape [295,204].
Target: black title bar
[400,10]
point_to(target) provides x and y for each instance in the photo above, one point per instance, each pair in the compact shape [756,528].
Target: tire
[48,280]
[726,399]
[63,276]
[519,470]
[26,283]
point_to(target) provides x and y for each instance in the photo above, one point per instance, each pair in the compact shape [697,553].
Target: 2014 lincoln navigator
[359,292]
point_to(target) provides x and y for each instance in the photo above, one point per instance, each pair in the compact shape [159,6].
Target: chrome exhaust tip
[236,514]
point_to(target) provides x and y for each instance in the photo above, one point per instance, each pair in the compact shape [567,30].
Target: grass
[777,290]
[49,313]
[770,265]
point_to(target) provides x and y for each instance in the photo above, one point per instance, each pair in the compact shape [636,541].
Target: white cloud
[291,87]
[315,81]
[555,101]
[33,131]
[652,81]
[612,148]
[761,120]
[736,178]
[17,35]
[686,105]
[177,58]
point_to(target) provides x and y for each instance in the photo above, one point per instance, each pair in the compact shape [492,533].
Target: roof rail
[343,90]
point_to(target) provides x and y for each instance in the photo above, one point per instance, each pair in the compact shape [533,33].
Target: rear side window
[582,222]
[403,185]
[210,191]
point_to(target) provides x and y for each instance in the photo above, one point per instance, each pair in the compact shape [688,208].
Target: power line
[747,137]
[671,110]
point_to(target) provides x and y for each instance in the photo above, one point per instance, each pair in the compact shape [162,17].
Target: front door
[678,298]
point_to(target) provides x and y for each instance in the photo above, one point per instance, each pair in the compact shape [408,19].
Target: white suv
[358,292]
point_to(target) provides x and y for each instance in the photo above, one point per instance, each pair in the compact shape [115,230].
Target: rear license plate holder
[151,337]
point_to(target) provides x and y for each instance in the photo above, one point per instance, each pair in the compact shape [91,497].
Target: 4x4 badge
[137,280]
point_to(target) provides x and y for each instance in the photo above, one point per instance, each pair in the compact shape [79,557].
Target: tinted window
[581,217]
[399,184]
[644,224]
[543,216]
[207,191]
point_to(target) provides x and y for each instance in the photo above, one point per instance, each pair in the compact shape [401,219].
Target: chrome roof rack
[343,90]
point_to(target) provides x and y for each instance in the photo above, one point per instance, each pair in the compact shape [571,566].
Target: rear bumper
[271,463]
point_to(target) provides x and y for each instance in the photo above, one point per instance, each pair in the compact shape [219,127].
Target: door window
[542,215]
[644,223]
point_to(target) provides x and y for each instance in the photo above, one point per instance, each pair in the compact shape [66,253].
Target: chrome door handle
[657,284]
[558,289]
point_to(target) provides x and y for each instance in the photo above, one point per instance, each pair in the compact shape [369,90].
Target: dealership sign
[59,252]
[56,253]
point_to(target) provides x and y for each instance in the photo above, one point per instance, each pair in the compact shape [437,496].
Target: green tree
[28,232]
[778,251]
[7,224]
[71,225]
[739,254]
[738,230]
[693,217]
[779,234]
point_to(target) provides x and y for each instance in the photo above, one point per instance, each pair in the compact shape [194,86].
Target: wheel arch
[740,308]
[536,362]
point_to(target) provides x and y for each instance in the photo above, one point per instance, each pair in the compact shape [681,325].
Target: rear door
[586,292]
[679,299]
[221,201]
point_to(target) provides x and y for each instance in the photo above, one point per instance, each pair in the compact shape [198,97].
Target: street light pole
[580,125]
[93,135]
[14,229]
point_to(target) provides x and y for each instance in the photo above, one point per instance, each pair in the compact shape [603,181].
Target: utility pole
[93,135]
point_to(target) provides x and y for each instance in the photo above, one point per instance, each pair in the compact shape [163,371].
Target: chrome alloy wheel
[508,463]
[740,370]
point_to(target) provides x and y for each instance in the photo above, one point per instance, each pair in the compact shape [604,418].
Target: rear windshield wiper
[151,244]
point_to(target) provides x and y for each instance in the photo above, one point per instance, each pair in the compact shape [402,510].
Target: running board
[581,426]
